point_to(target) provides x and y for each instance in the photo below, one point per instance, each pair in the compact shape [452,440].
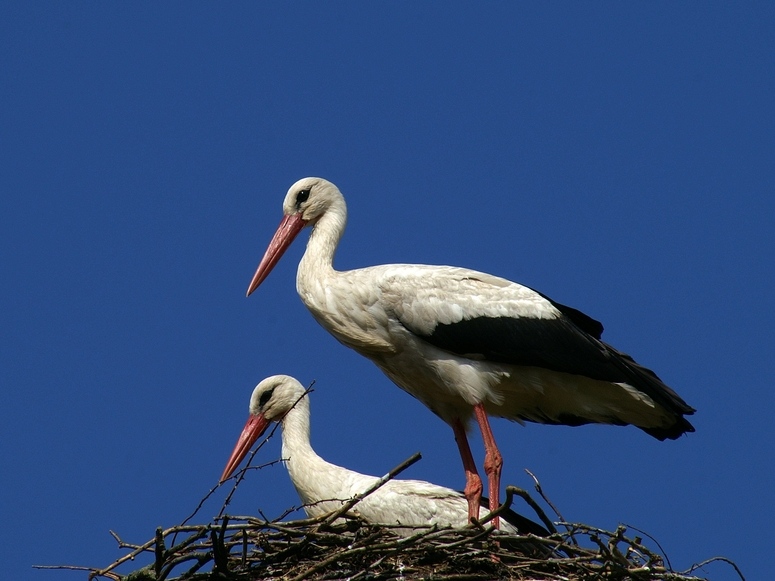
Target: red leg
[473,489]
[493,461]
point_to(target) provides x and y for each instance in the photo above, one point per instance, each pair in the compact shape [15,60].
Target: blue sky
[616,157]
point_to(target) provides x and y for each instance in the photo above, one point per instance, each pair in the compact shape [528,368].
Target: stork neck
[296,430]
[300,459]
[318,259]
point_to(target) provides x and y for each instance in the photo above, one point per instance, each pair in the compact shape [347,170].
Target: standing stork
[323,487]
[466,343]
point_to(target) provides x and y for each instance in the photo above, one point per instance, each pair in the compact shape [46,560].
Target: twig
[159,550]
[200,558]
[713,559]
[480,535]
[121,543]
[664,553]
[240,475]
[75,568]
[541,492]
[124,559]
[511,490]
[379,483]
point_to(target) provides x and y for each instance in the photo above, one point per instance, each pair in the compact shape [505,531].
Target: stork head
[310,198]
[305,203]
[272,398]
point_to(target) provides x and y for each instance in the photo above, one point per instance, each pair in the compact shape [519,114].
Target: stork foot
[473,494]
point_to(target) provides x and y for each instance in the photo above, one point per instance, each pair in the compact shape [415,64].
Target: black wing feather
[564,345]
[583,321]
[555,344]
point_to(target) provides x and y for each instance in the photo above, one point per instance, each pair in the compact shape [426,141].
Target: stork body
[466,343]
[323,487]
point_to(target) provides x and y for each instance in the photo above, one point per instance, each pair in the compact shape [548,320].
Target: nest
[247,549]
[340,545]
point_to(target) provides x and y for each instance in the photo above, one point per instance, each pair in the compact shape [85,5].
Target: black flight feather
[568,344]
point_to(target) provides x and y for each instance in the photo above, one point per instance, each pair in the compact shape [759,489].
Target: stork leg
[493,461]
[473,489]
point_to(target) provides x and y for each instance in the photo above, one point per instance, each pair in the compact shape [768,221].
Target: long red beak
[288,229]
[255,426]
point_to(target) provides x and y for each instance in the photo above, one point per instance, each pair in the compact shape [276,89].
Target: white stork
[323,487]
[467,343]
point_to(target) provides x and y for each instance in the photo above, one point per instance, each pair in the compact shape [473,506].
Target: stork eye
[265,397]
[301,197]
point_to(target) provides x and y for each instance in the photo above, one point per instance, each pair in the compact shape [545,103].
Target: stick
[358,497]
[541,492]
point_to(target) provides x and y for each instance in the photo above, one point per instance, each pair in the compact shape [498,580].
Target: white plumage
[324,487]
[468,343]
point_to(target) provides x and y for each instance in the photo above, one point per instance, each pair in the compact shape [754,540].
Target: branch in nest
[377,485]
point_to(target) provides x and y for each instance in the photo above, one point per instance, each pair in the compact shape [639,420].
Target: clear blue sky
[620,158]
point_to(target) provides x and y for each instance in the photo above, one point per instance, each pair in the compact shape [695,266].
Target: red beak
[255,426]
[288,229]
